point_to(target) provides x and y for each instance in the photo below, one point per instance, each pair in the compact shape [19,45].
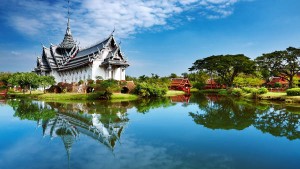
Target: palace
[67,62]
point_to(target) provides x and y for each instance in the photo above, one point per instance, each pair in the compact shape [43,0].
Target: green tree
[45,81]
[173,75]
[243,80]
[4,77]
[25,80]
[284,63]
[226,67]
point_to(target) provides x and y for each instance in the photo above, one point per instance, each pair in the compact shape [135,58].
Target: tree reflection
[279,123]
[101,122]
[226,113]
[144,105]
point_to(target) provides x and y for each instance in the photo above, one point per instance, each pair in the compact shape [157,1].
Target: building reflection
[103,123]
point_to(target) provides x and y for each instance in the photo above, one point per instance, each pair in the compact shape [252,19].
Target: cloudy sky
[157,36]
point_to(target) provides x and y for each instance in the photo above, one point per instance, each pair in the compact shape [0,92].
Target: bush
[111,85]
[247,89]
[237,92]
[104,95]
[262,90]
[223,92]
[198,85]
[293,92]
[150,90]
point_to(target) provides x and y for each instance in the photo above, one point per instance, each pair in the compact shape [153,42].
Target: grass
[39,95]
[174,93]
[121,97]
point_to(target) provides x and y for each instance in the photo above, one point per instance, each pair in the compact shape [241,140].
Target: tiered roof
[67,55]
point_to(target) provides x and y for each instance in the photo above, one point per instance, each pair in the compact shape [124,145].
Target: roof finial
[112,33]
[68,25]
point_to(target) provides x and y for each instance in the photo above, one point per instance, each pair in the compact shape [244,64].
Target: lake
[197,132]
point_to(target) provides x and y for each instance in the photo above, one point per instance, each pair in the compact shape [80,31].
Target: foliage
[198,85]
[262,90]
[247,89]
[27,110]
[293,92]
[281,63]
[237,92]
[247,80]
[4,77]
[278,85]
[150,90]
[227,67]
[45,81]
[25,80]
[107,85]
[144,105]
[100,95]
[80,82]
[173,75]
[223,92]
[296,81]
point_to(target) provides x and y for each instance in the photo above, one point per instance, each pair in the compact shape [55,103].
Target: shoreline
[80,96]
[270,96]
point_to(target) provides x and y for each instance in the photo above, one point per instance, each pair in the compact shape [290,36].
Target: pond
[209,132]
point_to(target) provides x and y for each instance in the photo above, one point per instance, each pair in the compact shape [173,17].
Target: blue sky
[157,36]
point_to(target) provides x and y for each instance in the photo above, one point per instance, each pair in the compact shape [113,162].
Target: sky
[156,36]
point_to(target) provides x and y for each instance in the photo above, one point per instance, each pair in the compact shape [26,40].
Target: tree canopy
[227,67]
[284,63]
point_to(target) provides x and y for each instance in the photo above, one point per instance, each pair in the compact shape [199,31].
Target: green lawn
[174,93]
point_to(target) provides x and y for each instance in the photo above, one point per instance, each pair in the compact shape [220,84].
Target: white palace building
[67,62]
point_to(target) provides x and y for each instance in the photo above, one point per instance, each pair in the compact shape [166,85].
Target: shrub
[80,82]
[278,85]
[254,92]
[103,95]
[247,89]
[150,90]
[293,92]
[262,90]
[223,92]
[111,85]
[199,85]
[237,92]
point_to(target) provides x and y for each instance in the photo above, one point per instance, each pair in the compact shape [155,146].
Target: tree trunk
[291,81]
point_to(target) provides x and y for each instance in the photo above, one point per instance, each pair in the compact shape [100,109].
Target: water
[208,132]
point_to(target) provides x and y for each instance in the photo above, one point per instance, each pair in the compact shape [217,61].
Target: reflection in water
[150,140]
[226,113]
[104,123]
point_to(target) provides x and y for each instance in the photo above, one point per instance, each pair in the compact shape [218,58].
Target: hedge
[293,92]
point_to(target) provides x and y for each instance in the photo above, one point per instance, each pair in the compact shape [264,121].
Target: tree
[25,80]
[281,63]
[173,75]
[248,80]
[45,81]
[227,67]
[4,77]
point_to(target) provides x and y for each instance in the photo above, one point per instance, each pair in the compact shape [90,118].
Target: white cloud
[92,20]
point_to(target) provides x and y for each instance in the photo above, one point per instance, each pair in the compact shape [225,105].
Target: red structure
[212,84]
[180,99]
[3,93]
[278,80]
[182,84]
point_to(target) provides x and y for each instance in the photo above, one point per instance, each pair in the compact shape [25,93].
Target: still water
[200,132]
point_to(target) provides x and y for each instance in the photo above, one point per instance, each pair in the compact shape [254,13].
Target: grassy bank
[79,96]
